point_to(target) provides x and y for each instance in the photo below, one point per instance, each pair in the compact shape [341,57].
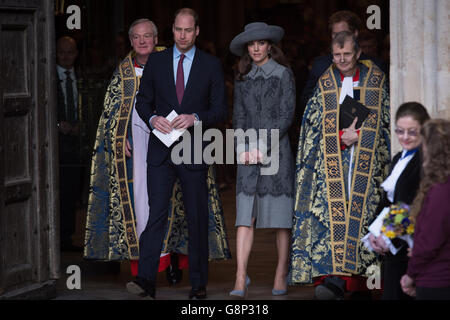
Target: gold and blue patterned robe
[327,230]
[111,223]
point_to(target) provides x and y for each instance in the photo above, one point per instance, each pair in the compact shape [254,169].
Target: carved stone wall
[420,56]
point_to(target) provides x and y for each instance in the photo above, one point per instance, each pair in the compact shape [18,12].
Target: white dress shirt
[389,184]
[347,90]
[187,63]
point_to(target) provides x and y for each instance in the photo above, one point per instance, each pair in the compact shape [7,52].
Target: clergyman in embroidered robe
[338,186]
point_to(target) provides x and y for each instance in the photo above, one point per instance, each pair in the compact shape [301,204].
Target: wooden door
[29,251]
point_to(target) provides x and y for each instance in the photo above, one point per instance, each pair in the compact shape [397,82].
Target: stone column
[420,57]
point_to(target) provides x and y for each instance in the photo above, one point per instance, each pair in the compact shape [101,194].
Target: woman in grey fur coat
[264,98]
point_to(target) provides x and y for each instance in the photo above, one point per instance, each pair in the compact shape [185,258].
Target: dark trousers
[394,267]
[70,192]
[161,180]
[70,179]
[423,293]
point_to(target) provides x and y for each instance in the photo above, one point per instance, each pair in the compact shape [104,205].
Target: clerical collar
[137,64]
[355,76]
[406,153]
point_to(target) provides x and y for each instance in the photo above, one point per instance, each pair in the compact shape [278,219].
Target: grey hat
[255,31]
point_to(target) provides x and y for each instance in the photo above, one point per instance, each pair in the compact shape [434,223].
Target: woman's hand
[253,157]
[382,244]
[408,285]
[244,158]
[256,156]
[378,244]
[409,254]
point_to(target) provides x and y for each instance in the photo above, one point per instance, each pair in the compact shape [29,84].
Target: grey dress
[265,99]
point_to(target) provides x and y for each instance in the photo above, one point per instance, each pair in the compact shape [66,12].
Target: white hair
[136,22]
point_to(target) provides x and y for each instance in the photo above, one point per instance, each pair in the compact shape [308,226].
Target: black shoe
[141,287]
[333,288]
[328,291]
[198,293]
[173,273]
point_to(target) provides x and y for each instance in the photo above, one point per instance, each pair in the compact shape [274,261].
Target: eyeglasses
[412,132]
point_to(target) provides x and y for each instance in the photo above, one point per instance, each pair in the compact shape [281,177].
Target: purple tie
[180,79]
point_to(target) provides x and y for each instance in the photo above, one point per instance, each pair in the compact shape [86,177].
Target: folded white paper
[375,227]
[169,138]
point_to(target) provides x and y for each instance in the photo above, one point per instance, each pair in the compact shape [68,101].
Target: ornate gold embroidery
[127,75]
[343,239]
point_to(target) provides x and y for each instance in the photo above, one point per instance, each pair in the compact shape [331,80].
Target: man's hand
[183,121]
[161,124]
[128,148]
[350,136]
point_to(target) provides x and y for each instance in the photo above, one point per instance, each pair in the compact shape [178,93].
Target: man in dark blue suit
[191,82]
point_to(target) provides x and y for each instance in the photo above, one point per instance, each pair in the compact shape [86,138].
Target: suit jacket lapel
[394,161]
[412,165]
[172,89]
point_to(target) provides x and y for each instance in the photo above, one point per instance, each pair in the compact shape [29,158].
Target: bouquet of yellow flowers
[392,222]
[397,223]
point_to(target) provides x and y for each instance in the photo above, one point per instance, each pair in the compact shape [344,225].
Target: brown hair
[245,62]
[353,21]
[187,11]
[414,110]
[342,37]
[436,159]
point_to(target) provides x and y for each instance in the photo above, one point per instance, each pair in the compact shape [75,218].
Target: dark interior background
[103,40]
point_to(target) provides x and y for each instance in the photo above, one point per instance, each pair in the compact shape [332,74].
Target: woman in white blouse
[401,186]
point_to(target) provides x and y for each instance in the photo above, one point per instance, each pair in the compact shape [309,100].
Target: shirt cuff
[150,121]
[197,119]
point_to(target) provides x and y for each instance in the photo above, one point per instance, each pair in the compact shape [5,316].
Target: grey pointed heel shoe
[279,292]
[241,293]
